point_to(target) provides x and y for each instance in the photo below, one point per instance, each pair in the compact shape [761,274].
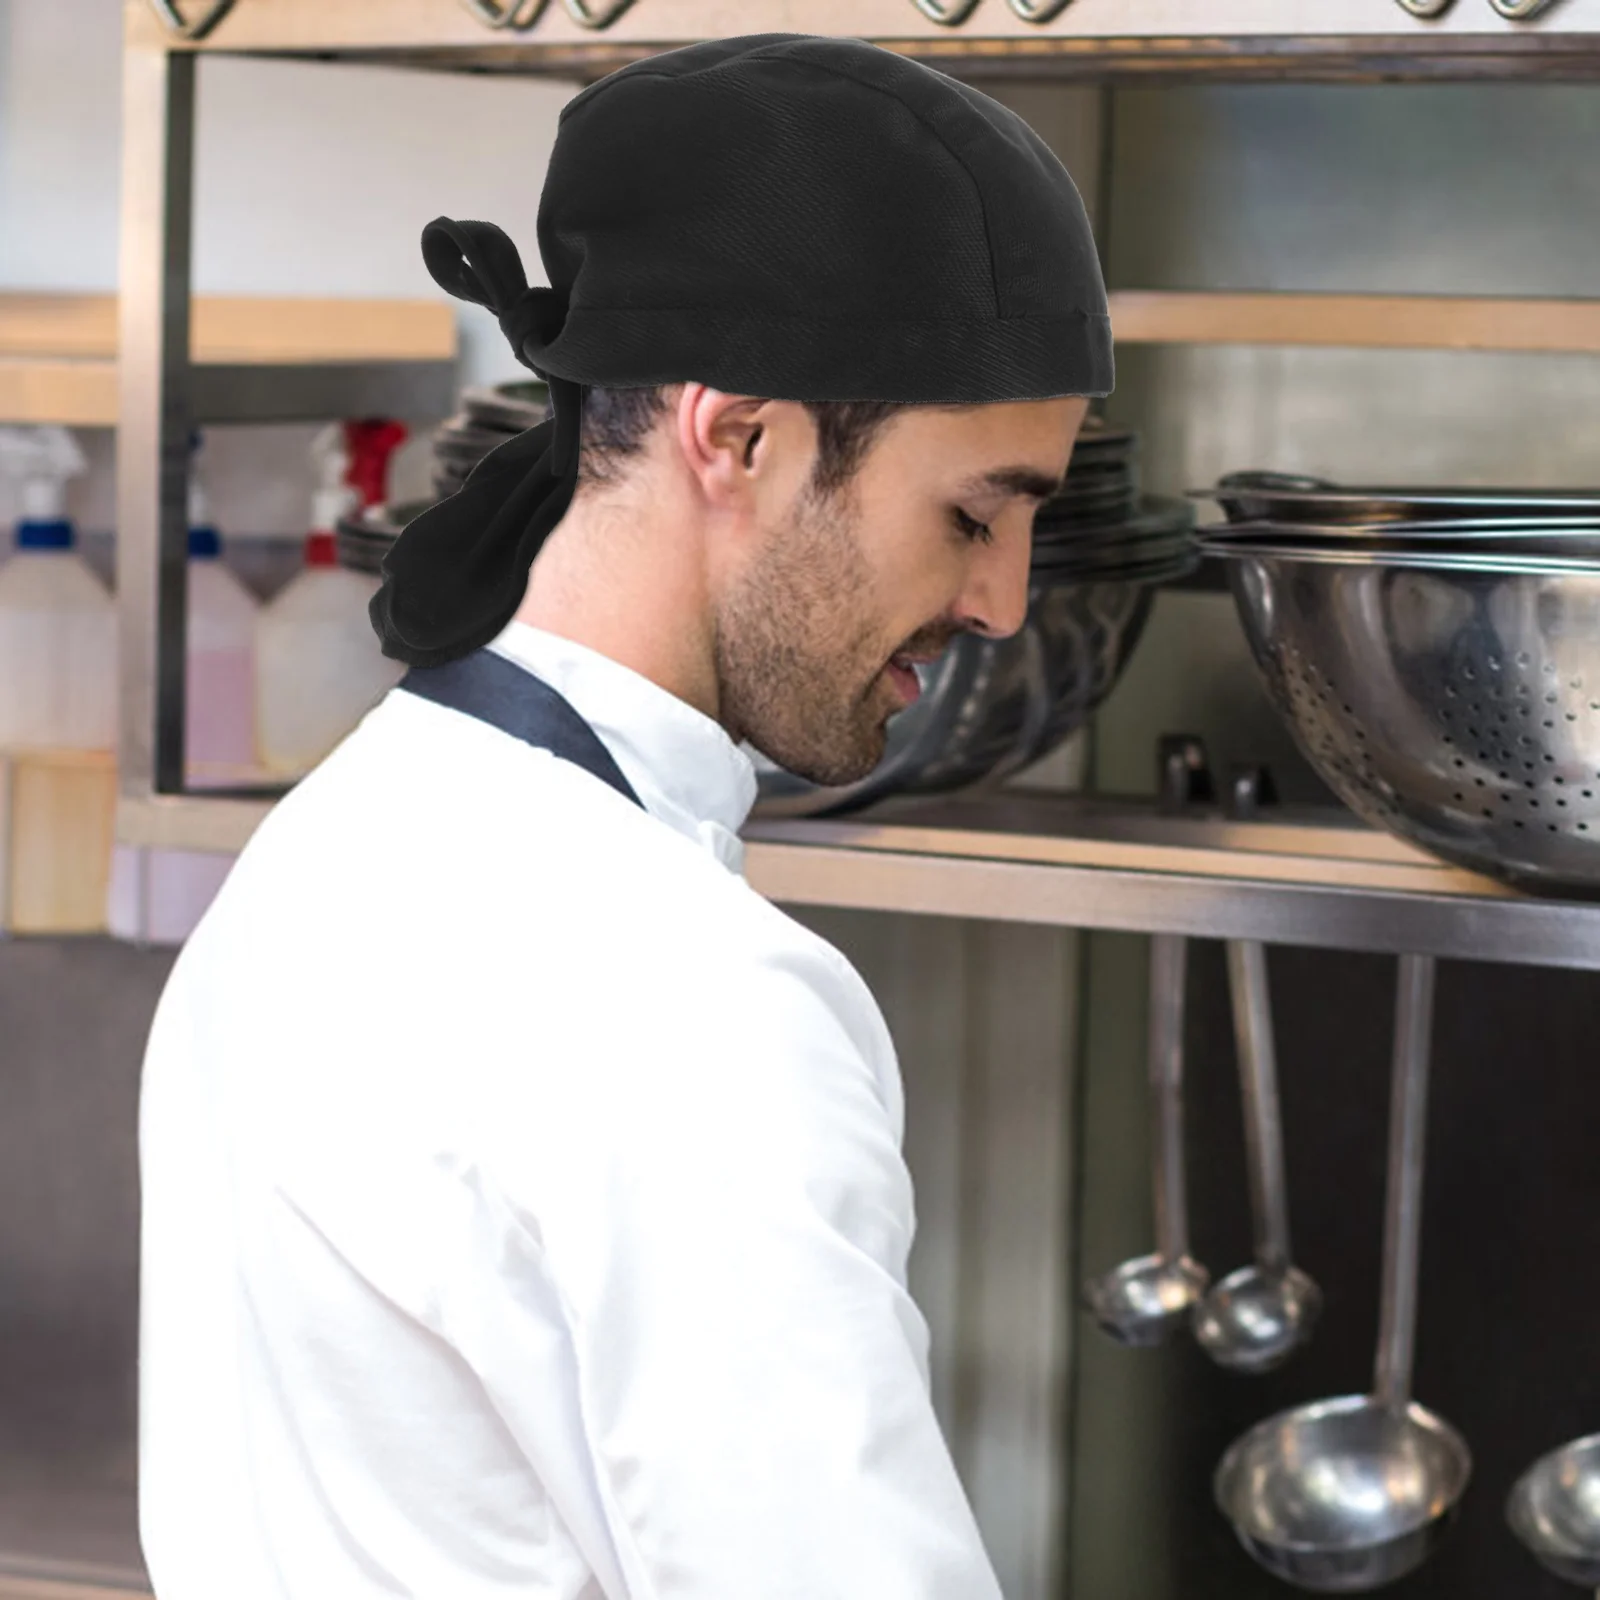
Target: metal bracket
[1038,10]
[587,16]
[1425,8]
[947,13]
[513,14]
[172,19]
[1521,10]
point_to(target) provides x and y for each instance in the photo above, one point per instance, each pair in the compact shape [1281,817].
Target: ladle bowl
[1255,1318]
[1345,1495]
[1142,1302]
[1554,1509]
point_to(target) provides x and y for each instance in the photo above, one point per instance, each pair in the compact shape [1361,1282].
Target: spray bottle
[58,623]
[319,669]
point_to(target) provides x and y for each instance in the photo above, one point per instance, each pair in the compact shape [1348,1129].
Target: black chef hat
[778,215]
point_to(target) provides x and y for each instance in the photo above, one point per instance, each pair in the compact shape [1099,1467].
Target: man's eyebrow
[1028,481]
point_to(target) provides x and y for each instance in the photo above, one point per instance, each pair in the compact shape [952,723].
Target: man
[524,1209]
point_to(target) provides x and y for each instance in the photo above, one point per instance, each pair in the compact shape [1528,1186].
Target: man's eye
[972,528]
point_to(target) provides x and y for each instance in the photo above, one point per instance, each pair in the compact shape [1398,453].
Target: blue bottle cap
[53,533]
[204,543]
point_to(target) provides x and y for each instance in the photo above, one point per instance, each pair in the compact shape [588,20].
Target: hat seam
[848,322]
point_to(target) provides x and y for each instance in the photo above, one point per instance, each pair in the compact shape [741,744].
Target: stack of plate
[1436,653]
[361,538]
[487,418]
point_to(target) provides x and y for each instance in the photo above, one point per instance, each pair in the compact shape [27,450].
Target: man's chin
[832,771]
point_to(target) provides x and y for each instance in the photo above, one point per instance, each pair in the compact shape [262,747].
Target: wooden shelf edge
[1417,322]
[231,329]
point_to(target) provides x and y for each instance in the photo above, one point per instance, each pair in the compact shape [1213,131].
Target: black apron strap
[508,697]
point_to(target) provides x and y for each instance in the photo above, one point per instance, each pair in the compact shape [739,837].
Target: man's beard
[799,656]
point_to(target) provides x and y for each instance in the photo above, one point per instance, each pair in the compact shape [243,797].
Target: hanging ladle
[1347,1495]
[1554,1509]
[1255,1318]
[1143,1301]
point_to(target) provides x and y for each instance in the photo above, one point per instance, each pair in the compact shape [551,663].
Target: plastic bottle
[220,707]
[319,669]
[58,622]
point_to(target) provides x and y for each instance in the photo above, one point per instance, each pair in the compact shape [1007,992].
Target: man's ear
[720,437]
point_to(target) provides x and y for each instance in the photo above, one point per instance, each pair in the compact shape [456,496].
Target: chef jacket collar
[682,765]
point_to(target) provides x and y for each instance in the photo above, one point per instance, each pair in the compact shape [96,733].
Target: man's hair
[617,421]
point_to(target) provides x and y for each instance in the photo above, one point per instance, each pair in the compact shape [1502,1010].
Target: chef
[523,1203]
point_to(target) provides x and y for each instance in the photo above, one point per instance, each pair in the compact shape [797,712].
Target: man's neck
[631,593]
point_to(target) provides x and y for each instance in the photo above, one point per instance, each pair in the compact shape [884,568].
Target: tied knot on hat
[455,578]
[475,261]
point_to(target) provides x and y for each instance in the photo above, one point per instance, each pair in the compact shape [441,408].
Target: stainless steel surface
[595,16]
[1458,707]
[1402,1223]
[1521,10]
[1145,1300]
[946,15]
[1316,28]
[514,14]
[155,412]
[1248,497]
[206,15]
[990,707]
[1038,11]
[1425,8]
[1551,549]
[1347,1495]
[1554,1509]
[1255,1318]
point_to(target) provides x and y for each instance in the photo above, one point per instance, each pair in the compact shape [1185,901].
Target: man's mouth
[902,672]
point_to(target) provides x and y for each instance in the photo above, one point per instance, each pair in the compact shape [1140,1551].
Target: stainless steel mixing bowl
[991,707]
[1452,699]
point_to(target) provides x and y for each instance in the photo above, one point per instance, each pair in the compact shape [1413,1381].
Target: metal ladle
[1554,1509]
[1255,1318]
[1141,1302]
[1347,1495]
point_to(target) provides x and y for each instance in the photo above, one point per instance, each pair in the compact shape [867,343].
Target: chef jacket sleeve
[721,1204]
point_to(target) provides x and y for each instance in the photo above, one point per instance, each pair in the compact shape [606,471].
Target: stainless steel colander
[1453,699]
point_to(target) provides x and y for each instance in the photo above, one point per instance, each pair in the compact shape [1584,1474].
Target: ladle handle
[1168,972]
[1402,1226]
[1258,1083]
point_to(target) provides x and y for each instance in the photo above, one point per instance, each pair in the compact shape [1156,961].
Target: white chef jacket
[523,1204]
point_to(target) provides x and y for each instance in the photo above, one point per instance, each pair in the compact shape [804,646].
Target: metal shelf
[1316,878]
[1086,40]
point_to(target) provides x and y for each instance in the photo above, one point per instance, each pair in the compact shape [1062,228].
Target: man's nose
[995,600]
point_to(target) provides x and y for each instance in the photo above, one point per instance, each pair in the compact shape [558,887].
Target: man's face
[844,594]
